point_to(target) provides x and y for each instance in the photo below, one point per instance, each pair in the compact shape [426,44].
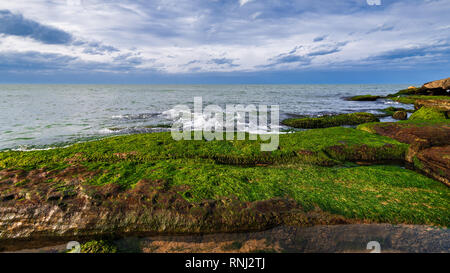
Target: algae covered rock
[429,141]
[428,113]
[391,110]
[439,104]
[331,121]
[434,162]
[143,184]
[400,115]
[100,246]
[364,98]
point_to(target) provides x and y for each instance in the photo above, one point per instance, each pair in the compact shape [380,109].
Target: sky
[224,41]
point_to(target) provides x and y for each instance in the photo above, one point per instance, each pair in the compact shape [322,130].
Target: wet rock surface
[35,214]
[400,115]
[435,162]
[441,105]
[429,152]
[288,239]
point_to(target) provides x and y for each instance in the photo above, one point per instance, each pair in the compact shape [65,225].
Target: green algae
[100,246]
[391,110]
[214,170]
[330,121]
[370,126]
[412,99]
[306,146]
[364,98]
[428,113]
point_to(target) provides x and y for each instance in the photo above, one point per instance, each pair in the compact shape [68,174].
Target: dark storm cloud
[17,25]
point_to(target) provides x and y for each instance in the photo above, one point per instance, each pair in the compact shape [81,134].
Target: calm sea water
[39,116]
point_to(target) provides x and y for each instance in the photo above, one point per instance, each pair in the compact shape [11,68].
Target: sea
[46,116]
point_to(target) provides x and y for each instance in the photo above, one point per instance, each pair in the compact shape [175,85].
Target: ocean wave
[139,116]
[198,122]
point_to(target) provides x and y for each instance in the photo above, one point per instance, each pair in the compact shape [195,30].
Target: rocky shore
[150,184]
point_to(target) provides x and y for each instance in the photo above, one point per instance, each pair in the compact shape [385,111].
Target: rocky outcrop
[435,88]
[439,84]
[363,98]
[435,162]
[428,151]
[67,209]
[441,105]
[429,113]
[331,121]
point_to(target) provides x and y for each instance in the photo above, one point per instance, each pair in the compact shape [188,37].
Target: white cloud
[170,34]
[243,2]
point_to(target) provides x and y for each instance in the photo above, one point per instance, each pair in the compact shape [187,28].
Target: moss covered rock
[434,162]
[400,115]
[391,110]
[413,98]
[364,98]
[438,104]
[151,184]
[427,113]
[331,121]
[100,246]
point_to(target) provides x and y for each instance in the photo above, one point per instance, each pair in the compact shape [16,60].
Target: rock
[400,115]
[435,88]
[391,110]
[441,84]
[434,162]
[427,113]
[331,121]
[364,98]
[150,207]
[428,151]
[100,246]
[442,105]
[430,134]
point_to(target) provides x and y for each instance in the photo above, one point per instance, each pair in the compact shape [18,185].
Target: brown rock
[442,105]
[443,84]
[150,207]
[435,162]
[429,146]
[423,135]
[400,115]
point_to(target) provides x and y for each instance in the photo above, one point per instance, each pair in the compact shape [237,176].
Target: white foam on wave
[105,131]
[391,102]
[189,120]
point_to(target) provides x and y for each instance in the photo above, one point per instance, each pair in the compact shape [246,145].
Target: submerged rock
[363,98]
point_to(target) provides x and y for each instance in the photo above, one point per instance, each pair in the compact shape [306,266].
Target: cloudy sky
[224,41]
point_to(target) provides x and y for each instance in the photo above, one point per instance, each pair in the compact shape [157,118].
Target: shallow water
[37,116]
